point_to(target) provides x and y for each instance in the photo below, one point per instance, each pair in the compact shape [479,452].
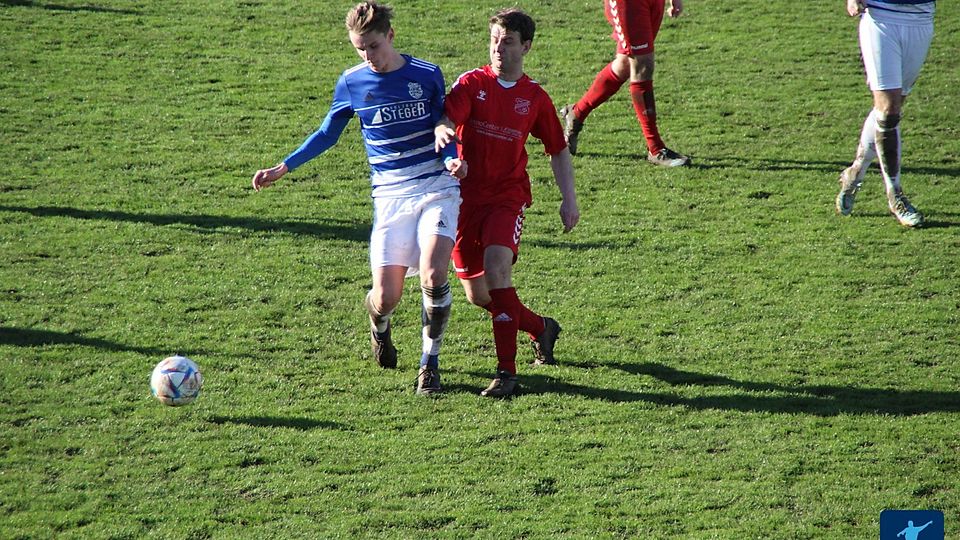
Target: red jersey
[493,123]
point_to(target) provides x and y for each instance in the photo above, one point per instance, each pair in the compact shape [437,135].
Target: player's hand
[457,167]
[265,177]
[855,7]
[569,214]
[676,7]
[443,135]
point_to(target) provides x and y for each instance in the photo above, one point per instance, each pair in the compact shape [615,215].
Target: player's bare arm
[444,133]
[855,7]
[562,166]
[265,177]
[674,7]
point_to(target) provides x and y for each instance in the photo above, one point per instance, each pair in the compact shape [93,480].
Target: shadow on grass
[938,224]
[701,162]
[817,400]
[828,167]
[546,242]
[457,388]
[60,7]
[30,337]
[928,222]
[302,424]
[338,229]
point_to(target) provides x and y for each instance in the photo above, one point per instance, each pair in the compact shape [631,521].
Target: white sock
[888,147]
[867,149]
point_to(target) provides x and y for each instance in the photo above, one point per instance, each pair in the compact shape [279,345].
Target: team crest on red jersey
[521,106]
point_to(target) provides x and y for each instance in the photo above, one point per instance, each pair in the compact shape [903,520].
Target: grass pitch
[737,360]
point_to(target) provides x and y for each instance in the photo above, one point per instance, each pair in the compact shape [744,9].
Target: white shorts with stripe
[402,225]
[893,53]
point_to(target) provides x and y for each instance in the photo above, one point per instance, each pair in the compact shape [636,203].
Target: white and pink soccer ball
[176,381]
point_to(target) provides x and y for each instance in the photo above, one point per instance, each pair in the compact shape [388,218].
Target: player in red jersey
[635,26]
[493,109]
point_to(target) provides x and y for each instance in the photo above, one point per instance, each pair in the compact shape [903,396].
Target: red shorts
[635,24]
[485,225]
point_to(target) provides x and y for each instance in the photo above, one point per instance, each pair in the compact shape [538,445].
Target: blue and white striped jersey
[902,11]
[397,111]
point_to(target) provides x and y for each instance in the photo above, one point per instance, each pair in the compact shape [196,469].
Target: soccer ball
[176,381]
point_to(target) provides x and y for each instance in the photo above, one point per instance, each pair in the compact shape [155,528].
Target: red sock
[646,109]
[604,85]
[506,324]
[530,322]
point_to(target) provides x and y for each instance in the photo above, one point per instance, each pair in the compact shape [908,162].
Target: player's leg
[645,107]
[435,312]
[914,44]
[508,313]
[381,301]
[886,106]
[608,81]
[393,249]
[643,27]
[889,153]
[852,177]
[892,57]
[504,310]
[436,238]
[644,103]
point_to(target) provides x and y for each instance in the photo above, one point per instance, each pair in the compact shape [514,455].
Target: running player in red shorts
[635,25]
[494,109]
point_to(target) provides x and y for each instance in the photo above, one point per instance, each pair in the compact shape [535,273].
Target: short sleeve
[457,105]
[546,126]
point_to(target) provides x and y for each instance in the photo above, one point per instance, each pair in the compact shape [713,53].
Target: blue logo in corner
[911,525]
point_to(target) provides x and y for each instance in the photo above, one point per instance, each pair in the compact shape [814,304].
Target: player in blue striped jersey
[894,38]
[416,191]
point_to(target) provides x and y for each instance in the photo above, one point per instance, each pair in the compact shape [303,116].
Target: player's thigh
[504,227]
[483,226]
[393,238]
[916,44]
[880,48]
[436,232]
[635,24]
[467,252]
[435,260]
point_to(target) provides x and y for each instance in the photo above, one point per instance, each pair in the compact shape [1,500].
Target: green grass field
[737,360]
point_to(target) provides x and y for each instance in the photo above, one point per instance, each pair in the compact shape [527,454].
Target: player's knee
[641,67]
[621,67]
[887,120]
[432,277]
[382,301]
[477,298]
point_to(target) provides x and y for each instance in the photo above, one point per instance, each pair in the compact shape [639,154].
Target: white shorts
[893,53]
[402,225]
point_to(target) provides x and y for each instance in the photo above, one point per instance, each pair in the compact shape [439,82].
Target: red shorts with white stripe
[485,225]
[635,24]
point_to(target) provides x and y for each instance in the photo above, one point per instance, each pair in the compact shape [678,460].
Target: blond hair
[369,16]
